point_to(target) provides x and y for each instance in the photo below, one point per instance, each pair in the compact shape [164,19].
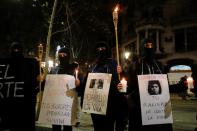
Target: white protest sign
[96,93]
[59,100]
[155,99]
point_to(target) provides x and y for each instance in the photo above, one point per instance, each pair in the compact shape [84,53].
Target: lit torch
[115,16]
[115,20]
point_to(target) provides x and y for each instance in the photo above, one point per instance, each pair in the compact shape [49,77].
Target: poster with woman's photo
[96,93]
[155,99]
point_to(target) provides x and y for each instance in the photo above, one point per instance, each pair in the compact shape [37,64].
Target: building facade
[172,24]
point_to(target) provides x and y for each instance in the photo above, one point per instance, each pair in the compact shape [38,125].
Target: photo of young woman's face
[154,87]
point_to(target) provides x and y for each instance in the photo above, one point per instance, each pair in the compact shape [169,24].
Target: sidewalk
[85,125]
[179,121]
[175,96]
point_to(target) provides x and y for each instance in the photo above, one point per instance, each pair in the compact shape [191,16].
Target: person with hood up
[64,67]
[145,65]
[116,107]
[16,50]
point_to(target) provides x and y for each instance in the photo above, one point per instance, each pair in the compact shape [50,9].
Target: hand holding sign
[167,109]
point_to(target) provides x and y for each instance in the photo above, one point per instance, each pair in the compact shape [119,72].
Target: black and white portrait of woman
[154,87]
[96,83]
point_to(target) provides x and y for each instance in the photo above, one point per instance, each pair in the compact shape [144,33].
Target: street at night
[125,62]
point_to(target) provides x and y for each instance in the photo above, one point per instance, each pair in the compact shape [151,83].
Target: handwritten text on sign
[155,99]
[96,93]
[59,100]
[8,86]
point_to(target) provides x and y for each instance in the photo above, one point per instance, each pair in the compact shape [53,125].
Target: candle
[190,82]
[76,73]
[124,85]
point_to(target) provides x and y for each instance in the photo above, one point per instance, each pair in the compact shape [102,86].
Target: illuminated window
[180,68]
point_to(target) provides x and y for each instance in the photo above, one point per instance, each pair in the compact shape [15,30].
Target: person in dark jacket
[64,67]
[116,108]
[145,65]
[25,71]
[183,87]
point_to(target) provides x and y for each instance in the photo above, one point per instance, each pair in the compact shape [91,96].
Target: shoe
[77,124]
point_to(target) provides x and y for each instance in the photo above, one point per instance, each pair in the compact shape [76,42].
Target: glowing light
[127,54]
[76,73]
[189,79]
[116,8]
[50,63]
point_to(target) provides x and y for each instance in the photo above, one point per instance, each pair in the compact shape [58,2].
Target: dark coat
[135,121]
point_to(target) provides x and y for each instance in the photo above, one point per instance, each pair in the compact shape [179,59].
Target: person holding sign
[18,80]
[64,67]
[148,67]
[116,105]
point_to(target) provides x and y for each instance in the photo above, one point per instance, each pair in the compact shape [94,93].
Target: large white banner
[59,100]
[96,93]
[155,99]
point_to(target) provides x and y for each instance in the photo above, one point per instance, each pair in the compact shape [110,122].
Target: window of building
[180,68]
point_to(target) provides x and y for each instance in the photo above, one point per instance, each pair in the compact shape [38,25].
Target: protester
[182,85]
[16,50]
[17,54]
[116,107]
[25,71]
[64,67]
[146,65]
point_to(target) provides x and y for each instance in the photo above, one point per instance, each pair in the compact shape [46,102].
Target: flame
[189,79]
[123,79]
[76,71]
[116,8]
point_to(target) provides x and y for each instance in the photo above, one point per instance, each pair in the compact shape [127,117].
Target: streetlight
[127,54]
[50,62]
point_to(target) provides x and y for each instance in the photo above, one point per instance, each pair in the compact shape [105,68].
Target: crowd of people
[122,108]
